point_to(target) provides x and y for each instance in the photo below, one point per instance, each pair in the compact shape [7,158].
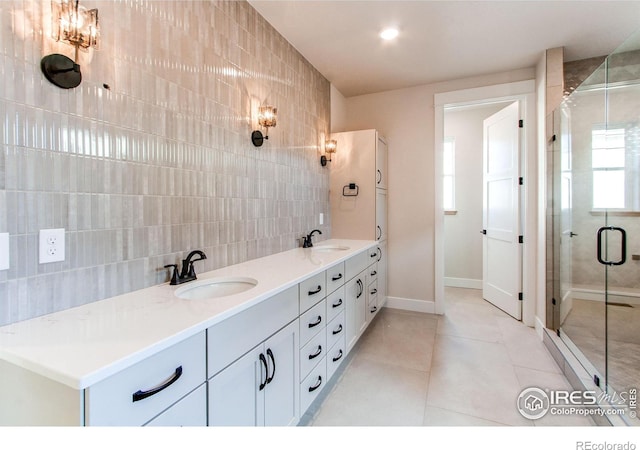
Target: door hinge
[484,232]
[553,138]
[521,181]
[553,301]
[558,332]
[520,297]
[596,380]
[520,123]
[520,239]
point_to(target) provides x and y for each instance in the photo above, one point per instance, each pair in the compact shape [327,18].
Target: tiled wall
[159,162]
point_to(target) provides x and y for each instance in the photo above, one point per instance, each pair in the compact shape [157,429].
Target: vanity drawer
[335,356]
[235,336]
[191,411]
[336,329]
[335,277]
[356,264]
[372,273]
[312,385]
[374,254]
[312,290]
[335,303]
[312,353]
[312,322]
[128,399]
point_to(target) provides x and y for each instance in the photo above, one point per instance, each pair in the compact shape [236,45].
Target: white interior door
[502,254]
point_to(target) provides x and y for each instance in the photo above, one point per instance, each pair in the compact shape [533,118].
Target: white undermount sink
[215,288]
[329,248]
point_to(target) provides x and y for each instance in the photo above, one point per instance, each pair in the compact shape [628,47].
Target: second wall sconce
[330,147]
[76,26]
[267,117]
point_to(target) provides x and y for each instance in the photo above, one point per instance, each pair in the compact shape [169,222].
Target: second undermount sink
[329,248]
[215,288]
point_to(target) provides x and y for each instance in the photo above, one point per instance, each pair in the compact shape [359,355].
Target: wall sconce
[76,26]
[330,147]
[267,116]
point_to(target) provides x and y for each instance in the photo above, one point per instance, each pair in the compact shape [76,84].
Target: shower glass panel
[596,202]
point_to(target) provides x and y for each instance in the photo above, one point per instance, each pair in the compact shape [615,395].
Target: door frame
[525,93]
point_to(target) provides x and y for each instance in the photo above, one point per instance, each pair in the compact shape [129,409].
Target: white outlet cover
[51,245]
[321,219]
[4,251]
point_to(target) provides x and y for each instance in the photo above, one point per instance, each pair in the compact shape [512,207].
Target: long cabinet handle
[337,277]
[316,323]
[263,360]
[338,303]
[273,361]
[141,395]
[318,384]
[317,353]
[379,176]
[338,330]
[379,254]
[360,288]
[379,232]
[337,358]
[316,291]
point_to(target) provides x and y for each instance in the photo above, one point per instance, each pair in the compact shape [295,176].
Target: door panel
[502,278]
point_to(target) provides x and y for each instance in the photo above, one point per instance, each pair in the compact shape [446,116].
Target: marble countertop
[83,345]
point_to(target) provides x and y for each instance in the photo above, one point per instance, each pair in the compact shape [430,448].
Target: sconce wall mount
[74,25]
[267,118]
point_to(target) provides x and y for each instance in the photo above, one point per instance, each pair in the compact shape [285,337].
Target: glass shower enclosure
[596,201]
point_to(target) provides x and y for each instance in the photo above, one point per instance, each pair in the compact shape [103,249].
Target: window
[448,171]
[608,164]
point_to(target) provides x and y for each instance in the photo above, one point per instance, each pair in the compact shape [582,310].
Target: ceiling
[442,40]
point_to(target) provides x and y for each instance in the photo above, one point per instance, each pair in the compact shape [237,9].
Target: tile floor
[464,368]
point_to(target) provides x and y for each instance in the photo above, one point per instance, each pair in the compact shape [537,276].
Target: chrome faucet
[187,273]
[306,243]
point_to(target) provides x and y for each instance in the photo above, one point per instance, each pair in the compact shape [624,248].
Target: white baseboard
[539,327]
[468,283]
[614,295]
[409,304]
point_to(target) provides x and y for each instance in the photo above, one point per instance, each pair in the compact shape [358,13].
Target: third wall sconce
[267,118]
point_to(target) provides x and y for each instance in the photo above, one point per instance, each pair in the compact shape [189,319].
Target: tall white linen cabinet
[358,197]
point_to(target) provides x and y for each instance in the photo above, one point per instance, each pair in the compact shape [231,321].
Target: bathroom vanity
[251,344]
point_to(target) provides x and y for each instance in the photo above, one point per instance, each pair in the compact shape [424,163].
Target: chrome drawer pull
[141,395]
[316,323]
[318,384]
[316,354]
[338,330]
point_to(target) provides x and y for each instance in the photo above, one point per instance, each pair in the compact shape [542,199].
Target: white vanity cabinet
[261,388]
[133,396]
[253,364]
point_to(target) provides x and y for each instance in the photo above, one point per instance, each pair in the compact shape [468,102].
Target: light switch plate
[4,251]
[321,219]
[51,245]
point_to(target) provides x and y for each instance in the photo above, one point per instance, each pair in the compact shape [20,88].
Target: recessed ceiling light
[389,33]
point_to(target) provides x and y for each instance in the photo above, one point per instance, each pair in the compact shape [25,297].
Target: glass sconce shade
[267,116]
[75,24]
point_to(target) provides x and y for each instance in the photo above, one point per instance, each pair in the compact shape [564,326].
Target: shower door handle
[623,245]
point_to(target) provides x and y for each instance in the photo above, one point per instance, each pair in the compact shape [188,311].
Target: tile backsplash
[151,157]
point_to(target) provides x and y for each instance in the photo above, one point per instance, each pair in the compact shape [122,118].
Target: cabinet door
[382,273]
[281,393]
[381,164]
[381,214]
[355,308]
[235,396]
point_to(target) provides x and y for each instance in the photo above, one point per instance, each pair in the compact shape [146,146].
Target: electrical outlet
[4,251]
[51,245]
[321,219]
